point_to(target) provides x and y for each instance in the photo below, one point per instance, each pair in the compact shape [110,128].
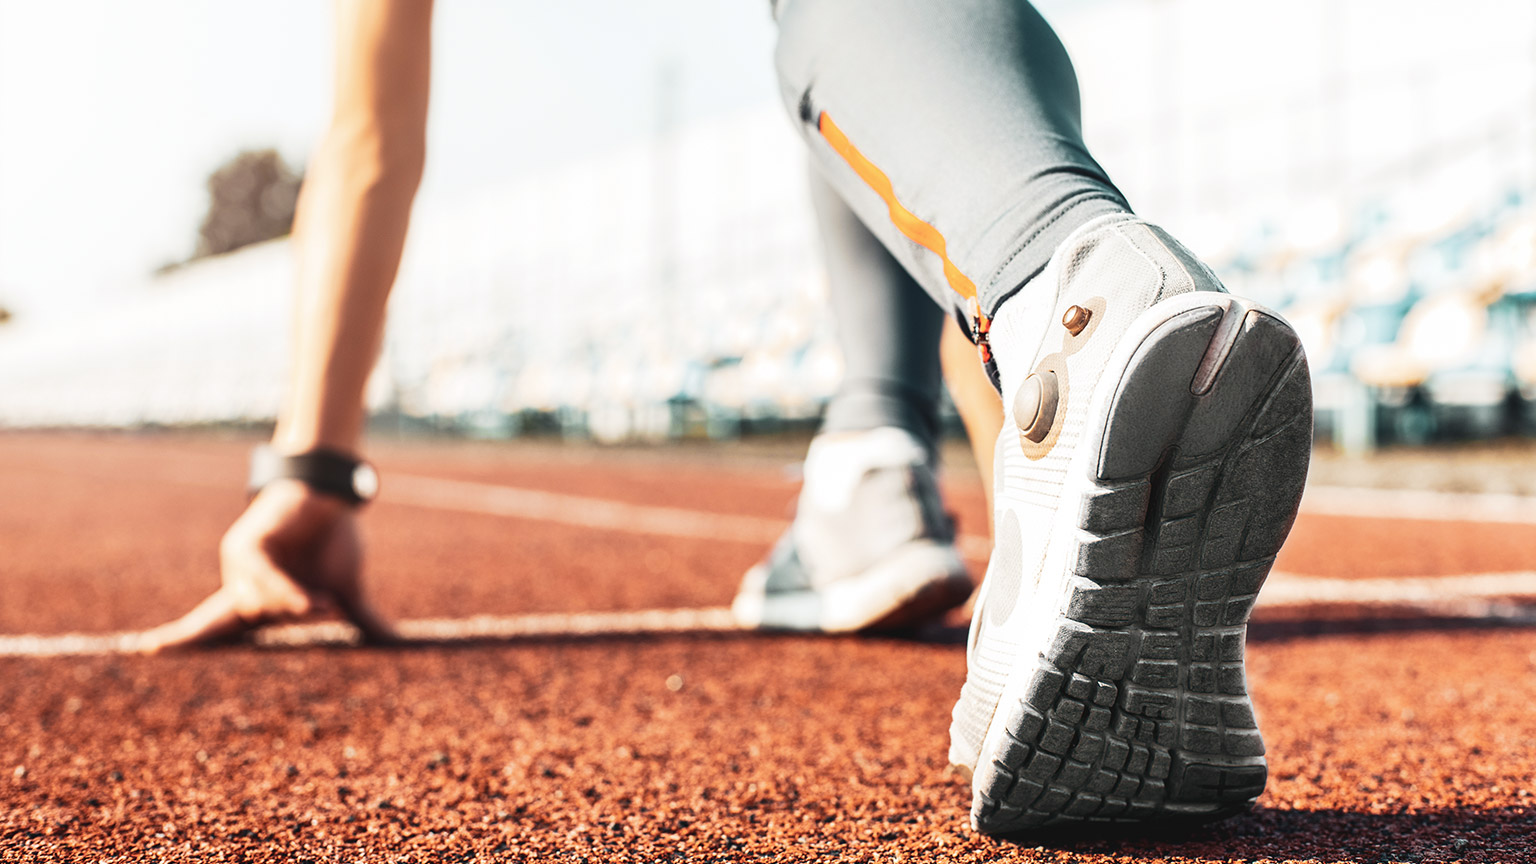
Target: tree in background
[251,198]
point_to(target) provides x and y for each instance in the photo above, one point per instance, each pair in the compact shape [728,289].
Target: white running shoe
[871,547]
[1154,451]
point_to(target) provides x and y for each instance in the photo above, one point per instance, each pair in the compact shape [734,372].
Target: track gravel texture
[1393,735]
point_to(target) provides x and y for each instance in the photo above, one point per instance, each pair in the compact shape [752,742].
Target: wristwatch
[329,472]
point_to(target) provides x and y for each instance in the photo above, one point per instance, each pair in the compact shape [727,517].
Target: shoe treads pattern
[1140,705]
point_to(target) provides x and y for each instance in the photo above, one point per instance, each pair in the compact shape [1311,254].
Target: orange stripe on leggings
[915,229]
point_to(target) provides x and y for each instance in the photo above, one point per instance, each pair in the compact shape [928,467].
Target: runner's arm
[296,552]
[352,217]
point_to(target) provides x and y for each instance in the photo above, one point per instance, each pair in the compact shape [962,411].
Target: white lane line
[421,630]
[490,499]
[1418,504]
[466,496]
[68,644]
[1290,589]
[565,624]
[1450,596]
[639,622]
[708,619]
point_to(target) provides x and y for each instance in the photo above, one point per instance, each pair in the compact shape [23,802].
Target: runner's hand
[294,554]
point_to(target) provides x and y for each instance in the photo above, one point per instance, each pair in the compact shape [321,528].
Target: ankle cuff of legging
[865,409]
[1033,252]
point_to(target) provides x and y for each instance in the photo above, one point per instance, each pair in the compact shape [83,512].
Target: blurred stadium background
[1368,167]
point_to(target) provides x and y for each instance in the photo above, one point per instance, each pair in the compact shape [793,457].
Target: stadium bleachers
[674,289]
[1412,334]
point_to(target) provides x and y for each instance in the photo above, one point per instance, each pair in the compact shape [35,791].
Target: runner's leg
[960,120]
[1156,430]
[871,545]
[887,328]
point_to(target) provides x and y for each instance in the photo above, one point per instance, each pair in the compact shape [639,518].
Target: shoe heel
[1138,706]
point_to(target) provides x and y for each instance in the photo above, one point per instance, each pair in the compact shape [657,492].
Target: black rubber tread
[1139,708]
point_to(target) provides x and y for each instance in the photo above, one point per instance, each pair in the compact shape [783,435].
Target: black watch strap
[326,471]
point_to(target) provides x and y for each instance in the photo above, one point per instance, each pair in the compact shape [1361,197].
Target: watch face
[365,481]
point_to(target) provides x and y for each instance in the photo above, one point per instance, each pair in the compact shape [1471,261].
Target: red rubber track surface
[1393,735]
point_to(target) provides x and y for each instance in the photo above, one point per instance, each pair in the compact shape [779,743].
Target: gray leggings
[951,129]
[887,328]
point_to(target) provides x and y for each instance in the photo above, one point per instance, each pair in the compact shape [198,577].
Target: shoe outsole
[927,605]
[1136,707]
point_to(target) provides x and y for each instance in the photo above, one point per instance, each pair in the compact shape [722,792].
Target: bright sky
[112,114]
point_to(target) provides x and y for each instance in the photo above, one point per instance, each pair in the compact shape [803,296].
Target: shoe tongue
[838,461]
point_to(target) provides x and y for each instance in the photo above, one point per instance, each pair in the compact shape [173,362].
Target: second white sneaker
[871,546]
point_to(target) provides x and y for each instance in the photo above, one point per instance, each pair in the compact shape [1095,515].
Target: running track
[575,693]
